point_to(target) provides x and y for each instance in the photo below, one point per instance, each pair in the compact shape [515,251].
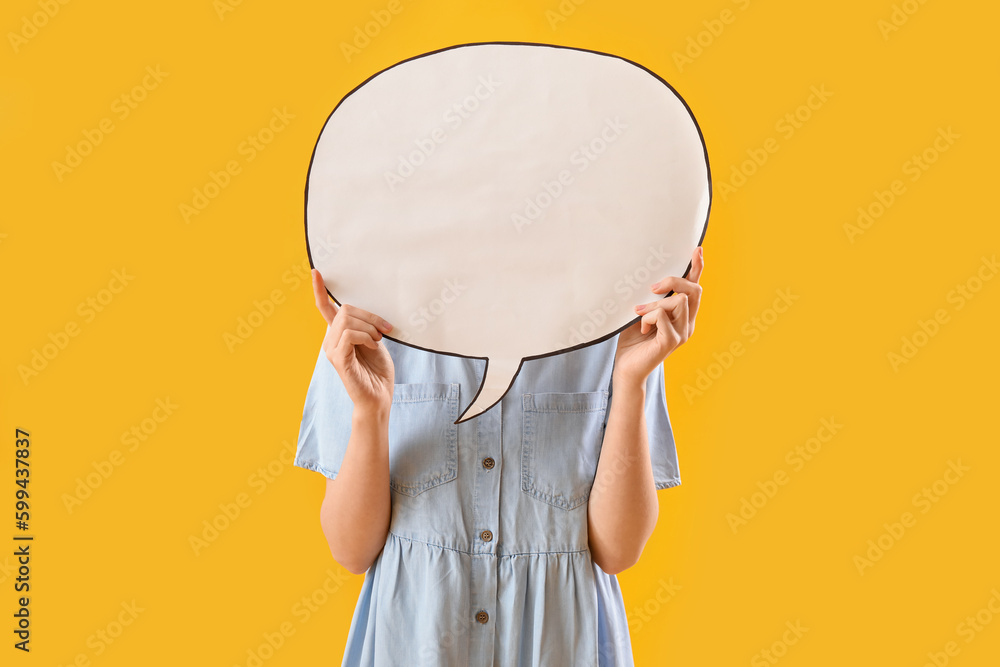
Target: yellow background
[826,356]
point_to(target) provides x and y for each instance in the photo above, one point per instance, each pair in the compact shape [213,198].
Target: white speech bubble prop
[506,201]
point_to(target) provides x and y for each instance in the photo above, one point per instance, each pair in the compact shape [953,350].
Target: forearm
[356,508]
[623,508]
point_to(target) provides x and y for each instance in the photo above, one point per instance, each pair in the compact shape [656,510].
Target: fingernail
[639,308]
[386,326]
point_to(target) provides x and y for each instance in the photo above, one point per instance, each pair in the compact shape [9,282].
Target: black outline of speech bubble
[486,371]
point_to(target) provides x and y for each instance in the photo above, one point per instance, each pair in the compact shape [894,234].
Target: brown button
[486,535]
[482,617]
[488,462]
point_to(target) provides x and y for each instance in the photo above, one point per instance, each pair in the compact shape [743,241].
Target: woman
[495,541]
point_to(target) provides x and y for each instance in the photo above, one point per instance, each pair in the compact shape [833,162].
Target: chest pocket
[561,444]
[423,438]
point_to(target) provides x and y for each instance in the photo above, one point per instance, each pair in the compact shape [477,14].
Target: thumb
[326,307]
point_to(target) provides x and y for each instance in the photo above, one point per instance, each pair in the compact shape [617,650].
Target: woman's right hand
[353,345]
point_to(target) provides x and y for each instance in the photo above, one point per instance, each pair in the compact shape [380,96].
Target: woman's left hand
[665,325]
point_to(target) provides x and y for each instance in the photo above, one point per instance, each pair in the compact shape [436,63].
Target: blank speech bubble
[506,201]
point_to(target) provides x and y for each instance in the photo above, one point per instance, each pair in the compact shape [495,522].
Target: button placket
[486,516]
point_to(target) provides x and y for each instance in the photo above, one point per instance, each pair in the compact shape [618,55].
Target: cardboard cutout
[506,201]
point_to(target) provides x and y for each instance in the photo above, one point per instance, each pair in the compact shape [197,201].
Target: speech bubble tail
[499,377]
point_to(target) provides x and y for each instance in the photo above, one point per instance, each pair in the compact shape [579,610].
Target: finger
[351,338]
[326,307]
[357,324]
[675,307]
[376,321]
[678,286]
[660,321]
[696,268]
[697,264]
[651,320]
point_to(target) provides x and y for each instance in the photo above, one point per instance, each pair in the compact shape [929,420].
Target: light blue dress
[487,560]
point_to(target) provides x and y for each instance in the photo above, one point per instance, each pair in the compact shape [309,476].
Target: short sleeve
[326,421]
[662,449]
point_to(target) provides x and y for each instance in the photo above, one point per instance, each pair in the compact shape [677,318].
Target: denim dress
[487,559]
